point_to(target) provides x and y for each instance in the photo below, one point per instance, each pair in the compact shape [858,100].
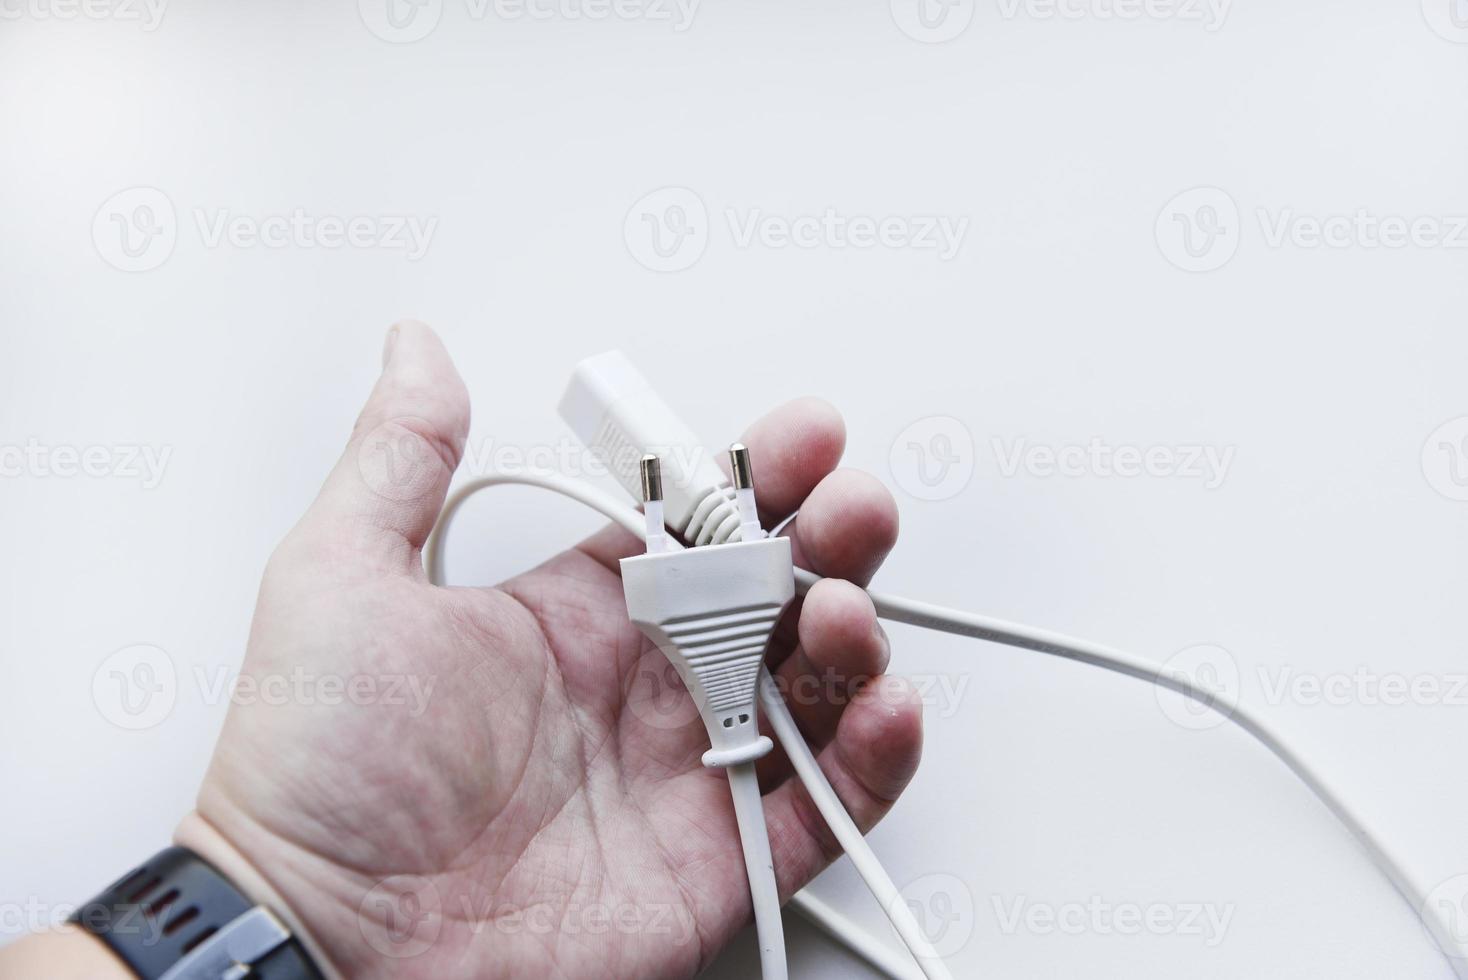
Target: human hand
[529,805]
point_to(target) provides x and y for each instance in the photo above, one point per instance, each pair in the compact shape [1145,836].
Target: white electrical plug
[712,611]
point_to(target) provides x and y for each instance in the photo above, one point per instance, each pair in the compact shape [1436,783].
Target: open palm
[506,782]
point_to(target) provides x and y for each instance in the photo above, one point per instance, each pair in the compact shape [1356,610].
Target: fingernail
[388,345]
[884,643]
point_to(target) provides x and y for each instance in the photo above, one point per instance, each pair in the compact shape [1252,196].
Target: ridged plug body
[712,611]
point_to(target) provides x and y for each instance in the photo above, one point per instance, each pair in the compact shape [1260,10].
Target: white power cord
[851,840]
[615,412]
[962,623]
[878,955]
[928,616]
[584,493]
[764,893]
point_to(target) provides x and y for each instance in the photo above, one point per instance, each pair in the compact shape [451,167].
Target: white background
[1063,317]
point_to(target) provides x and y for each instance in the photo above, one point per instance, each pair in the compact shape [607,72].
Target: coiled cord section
[716,518]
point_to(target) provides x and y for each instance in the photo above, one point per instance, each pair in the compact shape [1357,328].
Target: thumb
[383,496]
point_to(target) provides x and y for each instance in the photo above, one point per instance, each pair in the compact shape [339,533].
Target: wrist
[65,953]
[204,839]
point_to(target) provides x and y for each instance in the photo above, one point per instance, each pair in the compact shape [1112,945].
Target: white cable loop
[710,523]
[928,616]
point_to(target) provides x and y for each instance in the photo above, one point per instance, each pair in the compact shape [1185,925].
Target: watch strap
[175,916]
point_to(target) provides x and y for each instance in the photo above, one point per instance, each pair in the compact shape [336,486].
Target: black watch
[174,917]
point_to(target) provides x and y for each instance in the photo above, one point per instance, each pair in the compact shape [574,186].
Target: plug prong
[743,472]
[739,466]
[651,471]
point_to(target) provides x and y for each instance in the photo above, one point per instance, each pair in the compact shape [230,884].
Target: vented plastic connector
[620,418]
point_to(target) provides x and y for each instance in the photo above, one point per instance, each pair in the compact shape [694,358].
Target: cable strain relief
[738,756]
